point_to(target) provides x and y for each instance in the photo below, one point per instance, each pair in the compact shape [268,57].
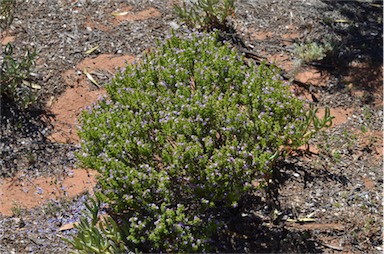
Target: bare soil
[326,197]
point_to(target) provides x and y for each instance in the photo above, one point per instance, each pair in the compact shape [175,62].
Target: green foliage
[183,134]
[14,72]
[205,14]
[312,124]
[13,75]
[95,235]
[16,209]
[7,9]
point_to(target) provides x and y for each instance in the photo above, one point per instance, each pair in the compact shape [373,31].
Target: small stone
[29,248]
[174,25]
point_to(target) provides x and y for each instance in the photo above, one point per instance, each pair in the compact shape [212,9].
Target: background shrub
[13,75]
[206,14]
[7,10]
[14,71]
[184,133]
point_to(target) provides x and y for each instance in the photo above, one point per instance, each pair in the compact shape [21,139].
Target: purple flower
[39,190]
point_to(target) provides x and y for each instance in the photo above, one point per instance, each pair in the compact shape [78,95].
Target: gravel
[330,187]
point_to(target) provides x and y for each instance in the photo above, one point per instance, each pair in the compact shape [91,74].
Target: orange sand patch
[24,193]
[119,15]
[312,76]
[372,140]
[341,115]
[7,39]
[261,35]
[125,14]
[81,93]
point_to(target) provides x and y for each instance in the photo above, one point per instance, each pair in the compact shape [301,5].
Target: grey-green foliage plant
[310,52]
[14,71]
[313,51]
[206,14]
[183,134]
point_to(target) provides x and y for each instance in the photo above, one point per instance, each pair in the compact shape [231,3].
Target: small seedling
[16,209]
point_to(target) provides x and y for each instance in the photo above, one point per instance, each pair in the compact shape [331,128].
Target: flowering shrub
[184,133]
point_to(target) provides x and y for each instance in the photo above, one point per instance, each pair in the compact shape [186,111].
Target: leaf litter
[324,202]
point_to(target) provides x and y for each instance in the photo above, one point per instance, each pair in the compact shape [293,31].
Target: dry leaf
[89,51]
[50,101]
[120,13]
[32,85]
[89,76]
[302,220]
[68,226]
[341,21]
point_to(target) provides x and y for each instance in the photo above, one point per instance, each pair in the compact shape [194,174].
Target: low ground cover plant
[7,10]
[310,52]
[206,14]
[182,135]
[14,71]
[13,75]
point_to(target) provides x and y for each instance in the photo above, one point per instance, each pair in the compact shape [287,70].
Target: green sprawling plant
[14,72]
[182,134]
[97,235]
[206,14]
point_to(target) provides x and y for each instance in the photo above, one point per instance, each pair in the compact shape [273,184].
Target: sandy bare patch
[81,93]
[22,192]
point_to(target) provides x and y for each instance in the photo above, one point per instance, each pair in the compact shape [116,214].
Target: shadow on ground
[359,47]
[259,224]
[23,142]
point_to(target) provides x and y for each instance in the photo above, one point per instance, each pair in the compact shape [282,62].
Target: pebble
[174,25]
[29,248]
